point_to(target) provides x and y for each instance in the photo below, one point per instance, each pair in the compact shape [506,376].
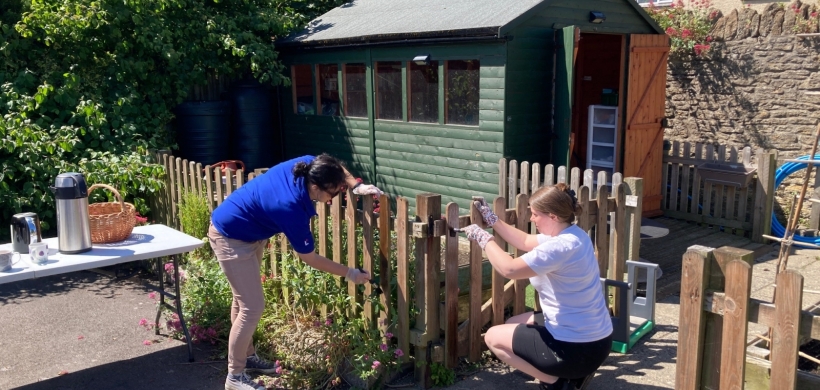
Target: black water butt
[252,140]
[203,130]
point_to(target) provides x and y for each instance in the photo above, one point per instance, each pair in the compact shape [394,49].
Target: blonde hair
[556,199]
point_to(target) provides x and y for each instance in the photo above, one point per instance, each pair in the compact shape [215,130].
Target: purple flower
[383,347]
[328,321]
[399,353]
[388,335]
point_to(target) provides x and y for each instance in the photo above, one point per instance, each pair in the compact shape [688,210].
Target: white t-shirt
[568,286]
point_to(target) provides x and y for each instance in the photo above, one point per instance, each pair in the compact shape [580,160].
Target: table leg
[161,273]
[177,307]
[178,304]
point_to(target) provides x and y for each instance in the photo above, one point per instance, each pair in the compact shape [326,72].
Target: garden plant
[90,85]
[318,333]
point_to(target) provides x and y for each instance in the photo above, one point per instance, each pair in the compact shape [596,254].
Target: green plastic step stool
[637,314]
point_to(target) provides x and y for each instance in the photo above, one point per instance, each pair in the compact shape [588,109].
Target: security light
[423,59]
[596,17]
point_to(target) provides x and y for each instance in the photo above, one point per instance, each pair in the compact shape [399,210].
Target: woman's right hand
[357,276]
[486,211]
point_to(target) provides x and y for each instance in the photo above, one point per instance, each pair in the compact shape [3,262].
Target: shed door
[646,98]
[566,43]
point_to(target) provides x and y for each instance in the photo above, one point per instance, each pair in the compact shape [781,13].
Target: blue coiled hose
[782,172]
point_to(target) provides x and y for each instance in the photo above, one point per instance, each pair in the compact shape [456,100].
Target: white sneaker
[241,382]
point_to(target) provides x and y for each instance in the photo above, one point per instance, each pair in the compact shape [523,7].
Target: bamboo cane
[788,236]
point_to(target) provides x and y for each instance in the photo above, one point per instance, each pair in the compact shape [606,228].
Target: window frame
[293,87]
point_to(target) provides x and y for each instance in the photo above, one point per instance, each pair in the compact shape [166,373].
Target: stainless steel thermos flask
[73,229]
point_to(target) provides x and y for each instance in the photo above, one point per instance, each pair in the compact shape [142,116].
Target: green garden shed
[427,96]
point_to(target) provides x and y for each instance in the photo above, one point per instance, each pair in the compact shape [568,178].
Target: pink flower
[709,39]
[383,347]
[143,322]
[328,321]
[685,33]
[80,337]
[701,49]
[671,31]
[813,14]
[169,267]
[152,295]
[264,278]
[376,364]
[147,342]
[278,370]
[399,353]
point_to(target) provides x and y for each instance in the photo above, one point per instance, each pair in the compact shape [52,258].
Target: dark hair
[557,199]
[325,171]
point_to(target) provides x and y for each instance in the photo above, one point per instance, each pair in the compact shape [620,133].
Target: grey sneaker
[258,365]
[241,382]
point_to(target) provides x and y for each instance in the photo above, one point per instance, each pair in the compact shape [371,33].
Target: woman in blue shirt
[279,201]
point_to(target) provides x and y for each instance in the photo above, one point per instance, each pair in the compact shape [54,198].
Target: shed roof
[362,20]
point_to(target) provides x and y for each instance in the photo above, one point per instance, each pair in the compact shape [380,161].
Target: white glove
[486,212]
[357,276]
[367,189]
[477,234]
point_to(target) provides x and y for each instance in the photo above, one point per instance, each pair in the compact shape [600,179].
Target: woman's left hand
[367,189]
[477,234]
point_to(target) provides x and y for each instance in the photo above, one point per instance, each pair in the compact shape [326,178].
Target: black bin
[203,130]
[252,140]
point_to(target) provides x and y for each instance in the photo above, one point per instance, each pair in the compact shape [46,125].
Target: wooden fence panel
[499,206]
[385,238]
[522,222]
[402,273]
[451,289]
[785,338]
[476,258]
[692,320]
[735,327]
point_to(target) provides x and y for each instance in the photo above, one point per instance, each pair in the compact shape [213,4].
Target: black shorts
[562,359]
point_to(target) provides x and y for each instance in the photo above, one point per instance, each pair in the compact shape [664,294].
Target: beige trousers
[241,261]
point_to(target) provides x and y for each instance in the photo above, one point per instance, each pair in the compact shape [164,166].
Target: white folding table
[145,242]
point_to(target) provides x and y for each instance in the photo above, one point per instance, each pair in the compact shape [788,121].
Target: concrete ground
[81,331]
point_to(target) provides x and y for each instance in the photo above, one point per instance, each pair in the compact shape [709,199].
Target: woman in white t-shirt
[563,345]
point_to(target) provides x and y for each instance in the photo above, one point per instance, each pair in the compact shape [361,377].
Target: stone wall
[759,85]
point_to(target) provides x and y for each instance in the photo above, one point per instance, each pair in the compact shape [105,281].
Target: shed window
[302,85]
[462,92]
[423,92]
[388,90]
[355,90]
[327,82]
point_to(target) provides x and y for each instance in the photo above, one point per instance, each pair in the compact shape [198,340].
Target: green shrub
[89,85]
[195,218]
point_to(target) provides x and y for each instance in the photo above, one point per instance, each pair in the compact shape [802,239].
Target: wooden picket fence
[686,195]
[715,311]
[524,178]
[438,335]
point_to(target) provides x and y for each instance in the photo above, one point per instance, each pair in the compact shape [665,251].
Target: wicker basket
[110,221]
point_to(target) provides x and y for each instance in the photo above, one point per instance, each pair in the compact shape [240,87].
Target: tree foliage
[89,85]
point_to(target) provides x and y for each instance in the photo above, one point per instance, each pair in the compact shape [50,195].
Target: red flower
[671,31]
[709,39]
[686,33]
[701,49]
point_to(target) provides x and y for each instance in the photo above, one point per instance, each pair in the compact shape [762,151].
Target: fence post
[764,196]
[633,200]
[785,337]
[451,288]
[713,333]
[428,253]
[696,262]
[735,315]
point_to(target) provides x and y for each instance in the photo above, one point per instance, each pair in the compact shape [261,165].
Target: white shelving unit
[602,139]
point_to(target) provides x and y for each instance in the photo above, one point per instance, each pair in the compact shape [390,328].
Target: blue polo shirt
[267,205]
